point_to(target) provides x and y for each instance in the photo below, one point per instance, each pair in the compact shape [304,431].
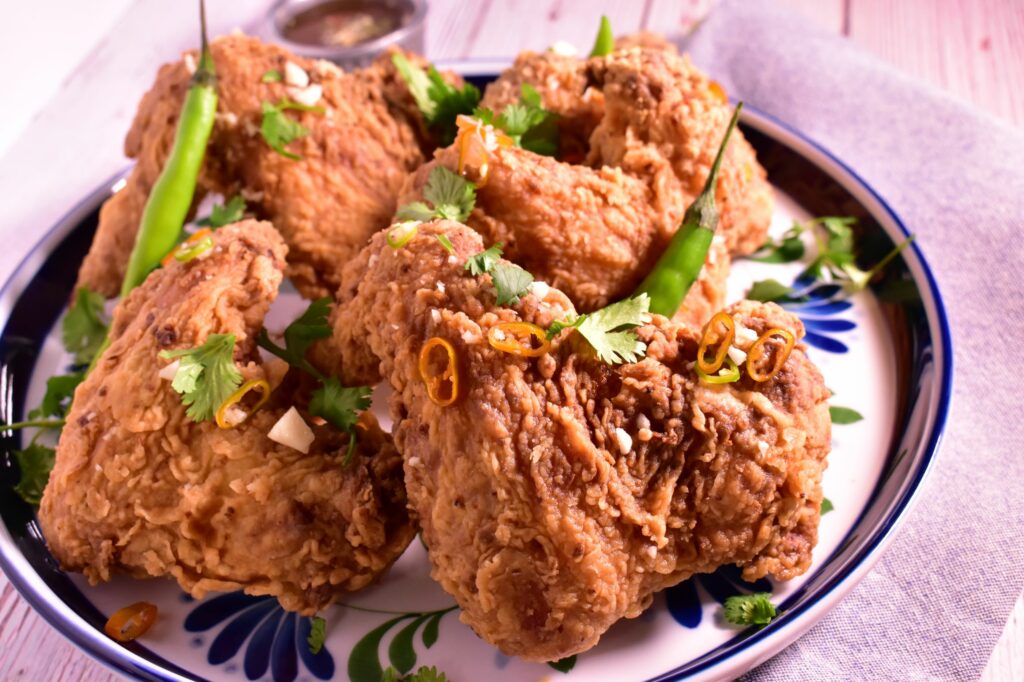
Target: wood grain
[972,49]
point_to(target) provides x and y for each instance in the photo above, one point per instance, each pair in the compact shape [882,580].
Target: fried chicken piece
[558,494]
[326,204]
[647,40]
[140,488]
[652,115]
[592,233]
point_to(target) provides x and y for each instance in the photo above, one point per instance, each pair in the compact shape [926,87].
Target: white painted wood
[975,49]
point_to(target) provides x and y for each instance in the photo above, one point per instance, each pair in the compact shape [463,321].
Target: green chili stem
[680,264]
[33,423]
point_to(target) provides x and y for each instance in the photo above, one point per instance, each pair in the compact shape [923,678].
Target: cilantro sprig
[750,609]
[225,214]
[339,405]
[423,674]
[278,129]
[206,375]
[35,463]
[527,122]
[484,262]
[450,197]
[510,281]
[609,331]
[439,102]
[317,635]
[84,328]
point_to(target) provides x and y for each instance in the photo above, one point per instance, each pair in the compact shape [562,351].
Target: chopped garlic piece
[435,315]
[307,96]
[745,335]
[170,370]
[642,421]
[440,286]
[498,335]
[292,430]
[736,355]
[624,439]
[762,446]
[295,75]
[563,48]
[539,289]
[235,415]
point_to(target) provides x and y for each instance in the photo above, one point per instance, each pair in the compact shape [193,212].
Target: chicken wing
[140,488]
[558,494]
[359,149]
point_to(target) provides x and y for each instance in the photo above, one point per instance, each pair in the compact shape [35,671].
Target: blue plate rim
[737,654]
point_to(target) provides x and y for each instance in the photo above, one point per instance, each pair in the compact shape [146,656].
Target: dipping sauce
[346,23]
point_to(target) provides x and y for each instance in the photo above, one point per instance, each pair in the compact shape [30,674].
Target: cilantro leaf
[564,665]
[225,214]
[84,329]
[609,331]
[826,506]
[390,674]
[527,122]
[317,635]
[59,391]
[425,674]
[786,249]
[272,76]
[341,405]
[484,262]
[206,375]
[510,281]
[439,102]
[300,335]
[844,415]
[750,609]
[278,129]
[769,290]
[35,463]
[452,196]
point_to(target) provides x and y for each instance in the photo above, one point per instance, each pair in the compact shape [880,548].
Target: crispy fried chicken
[140,488]
[558,494]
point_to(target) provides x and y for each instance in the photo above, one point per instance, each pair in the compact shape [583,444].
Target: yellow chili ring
[475,148]
[450,374]
[706,340]
[732,374]
[760,349]
[131,622]
[221,416]
[517,338]
[399,234]
[192,244]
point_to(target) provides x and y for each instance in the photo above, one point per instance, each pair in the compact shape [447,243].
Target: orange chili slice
[193,238]
[707,339]
[221,415]
[476,140]
[760,349]
[718,91]
[518,338]
[436,380]
[131,622]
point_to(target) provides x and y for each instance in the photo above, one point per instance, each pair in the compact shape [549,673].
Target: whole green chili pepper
[679,266]
[171,197]
[605,41]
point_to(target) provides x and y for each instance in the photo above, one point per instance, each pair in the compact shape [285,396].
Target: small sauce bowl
[349,33]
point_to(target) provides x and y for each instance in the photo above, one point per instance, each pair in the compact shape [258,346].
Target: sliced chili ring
[476,141]
[434,381]
[760,349]
[222,418]
[191,244]
[518,338]
[399,234]
[131,622]
[706,340]
[732,374]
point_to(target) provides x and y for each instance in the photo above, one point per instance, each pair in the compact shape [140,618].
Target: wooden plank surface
[973,49]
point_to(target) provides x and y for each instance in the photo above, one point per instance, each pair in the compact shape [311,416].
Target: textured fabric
[936,603]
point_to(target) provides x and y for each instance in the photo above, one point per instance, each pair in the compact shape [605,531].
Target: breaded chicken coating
[140,488]
[558,494]
[359,149]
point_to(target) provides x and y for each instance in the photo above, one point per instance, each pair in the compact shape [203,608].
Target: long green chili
[679,266]
[604,43]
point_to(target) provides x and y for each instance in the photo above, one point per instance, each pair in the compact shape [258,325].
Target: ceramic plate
[885,353]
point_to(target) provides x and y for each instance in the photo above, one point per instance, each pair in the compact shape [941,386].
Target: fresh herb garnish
[564,665]
[35,463]
[609,331]
[527,122]
[424,674]
[225,214]
[57,399]
[317,635]
[826,506]
[750,609]
[451,197]
[446,243]
[272,76]
[339,405]
[84,329]
[604,43]
[768,290]
[844,415]
[206,375]
[786,249]
[510,281]
[439,102]
[483,262]
[278,129]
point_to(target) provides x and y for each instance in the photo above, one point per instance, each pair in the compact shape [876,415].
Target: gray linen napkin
[936,603]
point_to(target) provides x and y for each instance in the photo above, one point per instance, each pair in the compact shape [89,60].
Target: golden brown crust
[539,522]
[326,205]
[140,488]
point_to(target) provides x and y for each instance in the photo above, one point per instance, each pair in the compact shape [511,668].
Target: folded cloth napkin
[936,603]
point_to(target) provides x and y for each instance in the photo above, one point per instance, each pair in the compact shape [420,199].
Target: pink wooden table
[972,48]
